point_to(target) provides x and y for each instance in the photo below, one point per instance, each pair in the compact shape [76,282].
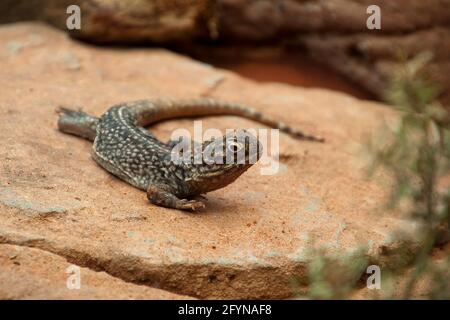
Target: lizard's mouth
[235,166]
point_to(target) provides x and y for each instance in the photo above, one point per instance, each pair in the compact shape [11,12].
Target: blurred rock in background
[333,32]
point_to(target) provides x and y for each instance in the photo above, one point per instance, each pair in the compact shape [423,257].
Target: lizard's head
[224,159]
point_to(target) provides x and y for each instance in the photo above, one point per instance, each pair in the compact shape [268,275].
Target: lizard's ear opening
[213,151]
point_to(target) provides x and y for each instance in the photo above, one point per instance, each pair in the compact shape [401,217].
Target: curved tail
[150,111]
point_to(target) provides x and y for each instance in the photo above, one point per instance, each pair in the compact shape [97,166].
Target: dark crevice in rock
[78,258]
[201,281]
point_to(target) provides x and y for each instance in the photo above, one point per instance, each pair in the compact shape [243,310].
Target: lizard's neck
[203,179]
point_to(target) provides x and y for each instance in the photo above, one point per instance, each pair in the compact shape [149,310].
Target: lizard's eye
[234,146]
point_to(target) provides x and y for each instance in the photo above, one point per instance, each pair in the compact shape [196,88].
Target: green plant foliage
[416,152]
[333,277]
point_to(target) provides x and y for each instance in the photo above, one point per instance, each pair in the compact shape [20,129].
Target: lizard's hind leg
[77,123]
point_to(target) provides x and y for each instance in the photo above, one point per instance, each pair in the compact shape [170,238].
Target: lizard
[123,147]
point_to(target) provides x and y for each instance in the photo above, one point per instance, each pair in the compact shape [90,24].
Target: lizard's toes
[192,205]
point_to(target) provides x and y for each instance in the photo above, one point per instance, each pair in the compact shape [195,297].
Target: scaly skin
[124,148]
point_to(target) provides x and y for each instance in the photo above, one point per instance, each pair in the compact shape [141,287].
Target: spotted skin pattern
[124,148]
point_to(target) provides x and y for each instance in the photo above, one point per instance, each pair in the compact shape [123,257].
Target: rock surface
[266,19]
[29,273]
[370,60]
[255,234]
[334,32]
[113,21]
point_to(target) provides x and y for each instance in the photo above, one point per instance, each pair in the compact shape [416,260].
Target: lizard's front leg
[162,196]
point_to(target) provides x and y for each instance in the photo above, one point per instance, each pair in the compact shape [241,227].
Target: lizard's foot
[193,205]
[161,195]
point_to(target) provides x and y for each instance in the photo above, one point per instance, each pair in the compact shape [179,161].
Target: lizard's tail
[77,123]
[151,111]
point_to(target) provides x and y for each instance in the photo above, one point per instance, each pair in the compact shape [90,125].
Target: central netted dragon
[126,149]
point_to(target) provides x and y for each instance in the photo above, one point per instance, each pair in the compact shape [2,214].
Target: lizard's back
[130,151]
